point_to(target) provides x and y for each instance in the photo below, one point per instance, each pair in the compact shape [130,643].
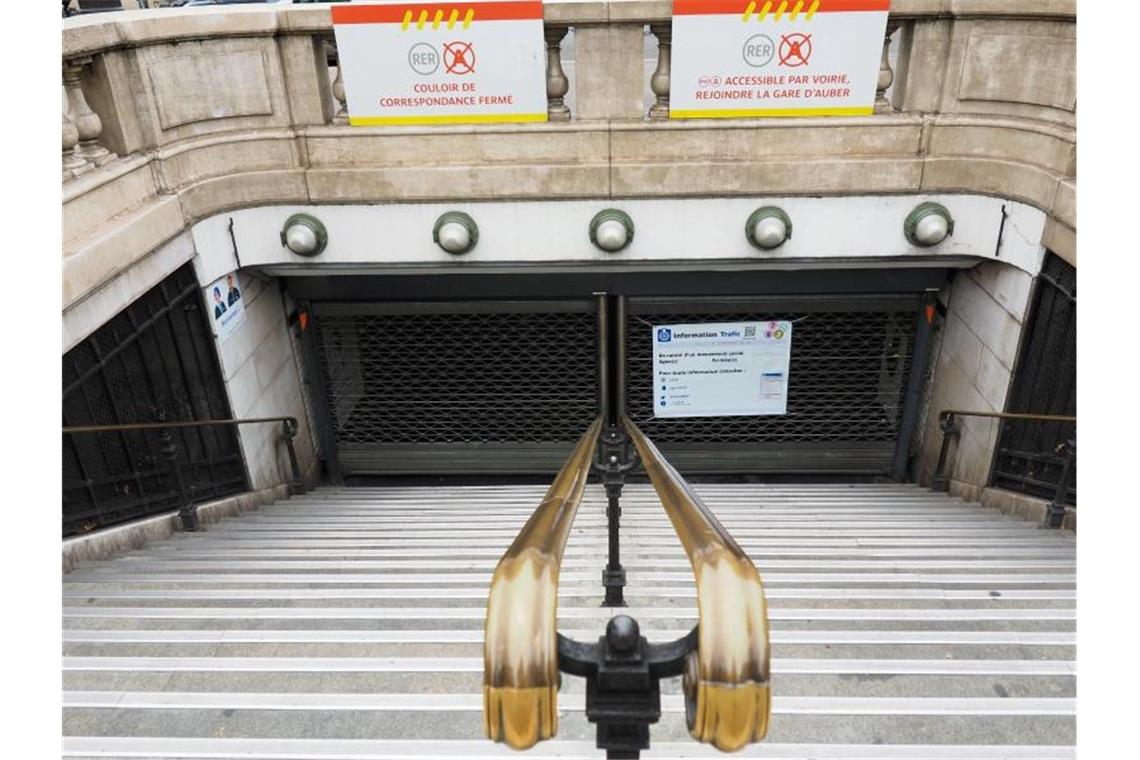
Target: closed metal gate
[850,362]
[153,362]
[507,387]
[474,387]
[1030,455]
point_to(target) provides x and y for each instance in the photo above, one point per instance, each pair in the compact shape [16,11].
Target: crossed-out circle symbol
[795,49]
[458,58]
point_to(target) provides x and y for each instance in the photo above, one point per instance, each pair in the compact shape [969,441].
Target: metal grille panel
[153,361]
[459,378]
[1028,455]
[452,387]
[847,380]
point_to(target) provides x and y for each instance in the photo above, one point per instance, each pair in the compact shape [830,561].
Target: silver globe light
[768,227]
[928,225]
[304,235]
[611,230]
[455,232]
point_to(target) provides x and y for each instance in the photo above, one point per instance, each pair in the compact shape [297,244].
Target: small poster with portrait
[225,305]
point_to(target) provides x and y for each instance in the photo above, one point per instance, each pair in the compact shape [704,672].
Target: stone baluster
[557,84]
[341,116]
[886,74]
[73,163]
[87,123]
[659,82]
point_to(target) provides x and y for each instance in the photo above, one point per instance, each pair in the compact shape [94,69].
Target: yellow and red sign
[441,63]
[740,58]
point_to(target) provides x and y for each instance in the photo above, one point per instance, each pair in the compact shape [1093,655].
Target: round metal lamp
[768,227]
[304,235]
[928,224]
[455,232]
[611,230]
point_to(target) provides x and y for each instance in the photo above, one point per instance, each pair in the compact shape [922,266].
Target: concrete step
[340,624]
[81,748]
[841,720]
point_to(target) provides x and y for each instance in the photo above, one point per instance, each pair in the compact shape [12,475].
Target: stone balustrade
[174,115]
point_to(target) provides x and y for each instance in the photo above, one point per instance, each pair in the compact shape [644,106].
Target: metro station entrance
[506,386]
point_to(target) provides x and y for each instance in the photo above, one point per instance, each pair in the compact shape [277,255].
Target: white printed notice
[442,62]
[725,369]
[224,299]
[739,58]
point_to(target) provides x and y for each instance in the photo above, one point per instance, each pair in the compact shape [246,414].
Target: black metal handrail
[948,424]
[188,511]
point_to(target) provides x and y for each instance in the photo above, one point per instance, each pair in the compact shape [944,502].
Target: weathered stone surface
[92,260]
[1022,505]
[83,317]
[1031,143]
[458,183]
[100,195]
[191,161]
[304,62]
[192,88]
[980,78]
[260,132]
[920,70]
[475,147]
[1050,81]
[1007,179]
[972,367]
[108,543]
[609,72]
[1061,239]
[1065,205]
[726,140]
[242,190]
[1008,286]
[212,85]
[583,11]
[774,177]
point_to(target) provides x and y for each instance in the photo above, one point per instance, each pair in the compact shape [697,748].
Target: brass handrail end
[520,717]
[727,716]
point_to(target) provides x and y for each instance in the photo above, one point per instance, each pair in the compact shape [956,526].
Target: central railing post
[1055,511]
[614,455]
[186,509]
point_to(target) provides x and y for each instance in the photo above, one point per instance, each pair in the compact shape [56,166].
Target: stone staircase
[347,624]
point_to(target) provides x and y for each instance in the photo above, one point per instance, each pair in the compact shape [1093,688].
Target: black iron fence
[169,473]
[154,362]
[1031,456]
[1065,449]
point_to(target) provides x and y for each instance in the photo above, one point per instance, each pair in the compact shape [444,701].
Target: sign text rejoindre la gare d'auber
[739,58]
[441,63]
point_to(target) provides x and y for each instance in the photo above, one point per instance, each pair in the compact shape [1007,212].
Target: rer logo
[758,50]
[664,335]
[423,58]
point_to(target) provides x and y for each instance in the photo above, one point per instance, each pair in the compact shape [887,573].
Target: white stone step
[340,624]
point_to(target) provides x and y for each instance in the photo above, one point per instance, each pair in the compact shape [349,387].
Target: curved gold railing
[520,642]
[726,680]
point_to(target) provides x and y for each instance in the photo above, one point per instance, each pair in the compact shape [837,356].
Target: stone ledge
[1021,505]
[109,542]
[86,35]
[97,258]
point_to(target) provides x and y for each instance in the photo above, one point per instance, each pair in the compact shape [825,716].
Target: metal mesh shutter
[507,388]
[431,391]
[847,383]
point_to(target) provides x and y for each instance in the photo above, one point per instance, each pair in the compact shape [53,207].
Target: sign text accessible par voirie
[442,63]
[747,58]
